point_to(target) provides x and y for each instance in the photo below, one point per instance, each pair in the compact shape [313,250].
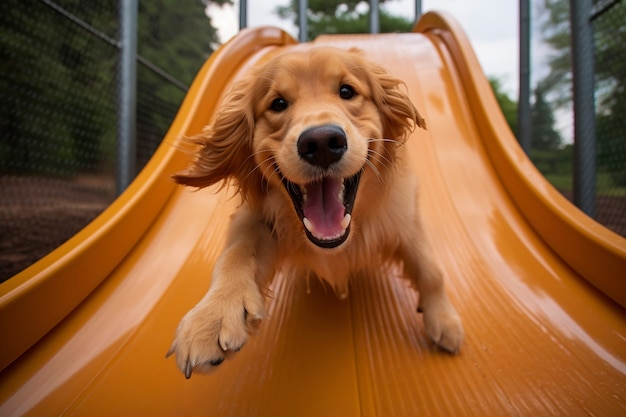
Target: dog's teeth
[346,221]
[308,225]
[342,189]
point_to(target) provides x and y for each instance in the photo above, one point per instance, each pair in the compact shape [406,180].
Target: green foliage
[555,32]
[610,82]
[507,105]
[324,17]
[610,59]
[320,7]
[610,65]
[555,165]
[353,22]
[553,161]
[609,33]
[544,135]
[58,91]
[176,36]
[611,146]
[51,93]
[315,7]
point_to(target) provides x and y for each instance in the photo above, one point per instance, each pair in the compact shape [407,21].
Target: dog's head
[310,124]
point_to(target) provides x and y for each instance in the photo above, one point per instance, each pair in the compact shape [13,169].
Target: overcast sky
[491,25]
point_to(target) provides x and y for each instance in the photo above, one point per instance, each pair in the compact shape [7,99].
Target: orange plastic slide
[541,288]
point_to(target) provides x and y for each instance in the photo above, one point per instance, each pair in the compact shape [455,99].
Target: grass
[560,181]
[556,166]
[606,186]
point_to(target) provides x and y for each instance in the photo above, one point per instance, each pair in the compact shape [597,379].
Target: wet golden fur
[256,145]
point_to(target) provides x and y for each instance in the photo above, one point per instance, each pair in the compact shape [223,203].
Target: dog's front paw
[443,325]
[216,329]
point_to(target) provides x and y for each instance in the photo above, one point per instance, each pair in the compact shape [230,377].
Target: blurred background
[60,94]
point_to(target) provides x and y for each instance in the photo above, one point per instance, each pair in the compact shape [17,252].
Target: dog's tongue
[324,209]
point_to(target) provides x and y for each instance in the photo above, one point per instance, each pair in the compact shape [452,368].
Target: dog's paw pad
[445,329]
[216,362]
[215,330]
[450,339]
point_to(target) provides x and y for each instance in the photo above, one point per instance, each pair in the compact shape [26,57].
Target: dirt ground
[39,214]
[610,212]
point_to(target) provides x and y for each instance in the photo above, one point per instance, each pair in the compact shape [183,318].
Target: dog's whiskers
[257,166]
[374,168]
[383,140]
[276,171]
[374,156]
[380,158]
[267,161]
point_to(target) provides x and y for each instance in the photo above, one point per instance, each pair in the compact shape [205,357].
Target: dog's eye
[279,104]
[346,92]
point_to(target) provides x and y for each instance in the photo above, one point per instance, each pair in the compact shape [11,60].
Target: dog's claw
[253,320]
[188,369]
[222,345]
[170,352]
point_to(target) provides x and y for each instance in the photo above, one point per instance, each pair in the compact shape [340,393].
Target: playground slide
[541,288]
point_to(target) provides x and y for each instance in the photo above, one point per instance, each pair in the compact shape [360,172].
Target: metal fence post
[418,9]
[584,106]
[524,121]
[243,14]
[127,95]
[374,17]
[303,5]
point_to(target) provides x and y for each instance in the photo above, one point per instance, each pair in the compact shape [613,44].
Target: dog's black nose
[322,145]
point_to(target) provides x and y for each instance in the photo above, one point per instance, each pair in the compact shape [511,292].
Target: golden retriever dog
[313,141]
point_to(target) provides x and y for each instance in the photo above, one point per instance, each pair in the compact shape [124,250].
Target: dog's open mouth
[325,208]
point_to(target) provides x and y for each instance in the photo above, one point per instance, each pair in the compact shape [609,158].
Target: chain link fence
[609,23]
[555,159]
[59,64]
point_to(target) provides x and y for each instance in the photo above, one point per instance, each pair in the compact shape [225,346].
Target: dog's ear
[399,115]
[224,148]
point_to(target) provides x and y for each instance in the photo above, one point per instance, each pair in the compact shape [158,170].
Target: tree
[326,17]
[544,135]
[51,92]
[555,32]
[177,37]
[507,105]
[354,22]
[610,81]
[610,66]
[58,90]
[609,32]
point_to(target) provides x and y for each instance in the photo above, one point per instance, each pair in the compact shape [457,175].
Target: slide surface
[541,288]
